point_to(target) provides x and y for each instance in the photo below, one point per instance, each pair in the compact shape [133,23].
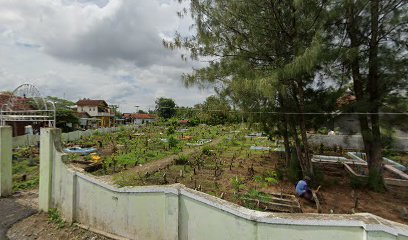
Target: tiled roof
[139,116]
[345,100]
[4,98]
[90,102]
[20,103]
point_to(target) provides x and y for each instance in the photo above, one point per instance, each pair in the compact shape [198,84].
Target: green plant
[173,142]
[323,130]
[54,217]
[193,122]
[280,172]
[271,181]
[294,170]
[29,184]
[318,178]
[253,193]
[206,151]
[258,178]
[170,131]
[357,182]
[321,148]
[181,160]
[237,183]
[268,178]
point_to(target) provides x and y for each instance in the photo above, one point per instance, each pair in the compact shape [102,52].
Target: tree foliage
[66,117]
[271,56]
[214,111]
[165,107]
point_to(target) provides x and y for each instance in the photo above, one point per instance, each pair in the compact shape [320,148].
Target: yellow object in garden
[95,158]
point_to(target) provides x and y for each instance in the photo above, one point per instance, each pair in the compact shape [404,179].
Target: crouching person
[302,189]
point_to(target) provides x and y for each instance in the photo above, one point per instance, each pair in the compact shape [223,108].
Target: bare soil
[149,167]
[336,194]
[28,226]
[37,227]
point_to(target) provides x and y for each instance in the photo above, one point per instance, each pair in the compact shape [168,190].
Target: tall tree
[165,107]
[215,110]
[370,37]
[66,117]
[274,43]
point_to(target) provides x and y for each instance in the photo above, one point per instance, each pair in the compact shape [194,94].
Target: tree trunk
[298,97]
[302,125]
[284,129]
[375,161]
[286,139]
[305,164]
[371,136]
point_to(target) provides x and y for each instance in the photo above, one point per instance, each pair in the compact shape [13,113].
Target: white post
[5,161]
[47,154]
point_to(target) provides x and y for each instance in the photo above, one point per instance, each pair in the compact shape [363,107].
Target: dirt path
[156,165]
[12,211]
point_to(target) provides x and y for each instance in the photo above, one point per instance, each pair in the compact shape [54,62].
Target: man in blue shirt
[302,190]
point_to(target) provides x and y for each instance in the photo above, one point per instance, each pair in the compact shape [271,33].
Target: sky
[98,49]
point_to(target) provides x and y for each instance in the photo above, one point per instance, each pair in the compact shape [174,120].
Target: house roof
[345,100]
[4,98]
[20,103]
[139,116]
[91,102]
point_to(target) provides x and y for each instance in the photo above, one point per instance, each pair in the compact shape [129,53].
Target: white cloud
[96,49]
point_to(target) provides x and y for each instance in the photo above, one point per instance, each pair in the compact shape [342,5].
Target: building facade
[97,109]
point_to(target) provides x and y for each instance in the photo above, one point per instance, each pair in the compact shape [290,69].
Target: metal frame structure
[44,110]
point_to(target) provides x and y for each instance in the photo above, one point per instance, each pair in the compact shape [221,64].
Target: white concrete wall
[351,141]
[143,121]
[28,140]
[176,212]
[92,111]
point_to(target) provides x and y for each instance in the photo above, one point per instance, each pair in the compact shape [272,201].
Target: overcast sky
[101,49]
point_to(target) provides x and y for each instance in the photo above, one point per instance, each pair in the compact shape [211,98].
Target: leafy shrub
[193,122]
[271,180]
[181,160]
[357,183]
[206,151]
[268,178]
[280,172]
[170,131]
[29,184]
[258,178]
[294,170]
[253,193]
[318,178]
[323,130]
[172,141]
[237,183]
[54,217]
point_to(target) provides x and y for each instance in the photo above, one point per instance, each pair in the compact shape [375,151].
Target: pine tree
[275,44]
[373,48]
